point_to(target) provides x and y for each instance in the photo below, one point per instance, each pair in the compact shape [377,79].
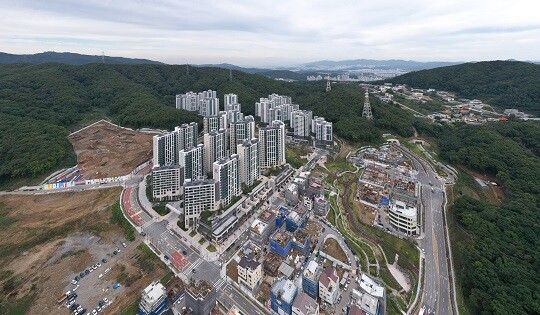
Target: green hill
[69,58]
[504,84]
[40,105]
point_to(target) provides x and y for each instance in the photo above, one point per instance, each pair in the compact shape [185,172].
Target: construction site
[106,150]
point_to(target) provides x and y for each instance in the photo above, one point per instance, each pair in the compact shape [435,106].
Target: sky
[275,32]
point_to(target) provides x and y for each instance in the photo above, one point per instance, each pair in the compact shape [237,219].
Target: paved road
[436,293]
[197,267]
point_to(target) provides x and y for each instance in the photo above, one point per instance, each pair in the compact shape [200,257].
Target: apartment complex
[272,145]
[240,131]
[199,195]
[166,147]
[248,152]
[216,122]
[192,161]
[322,130]
[215,147]
[167,182]
[300,122]
[226,172]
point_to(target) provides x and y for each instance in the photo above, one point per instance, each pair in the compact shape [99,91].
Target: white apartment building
[248,152]
[329,286]
[235,116]
[199,195]
[188,101]
[250,273]
[262,109]
[209,106]
[229,101]
[300,122]
[272,145]
[167,182]
[226,172]
[403,217]
[192,161]
[211,123]
[241,131]
[280,99]
[215,148]
[166,147]
[322,130]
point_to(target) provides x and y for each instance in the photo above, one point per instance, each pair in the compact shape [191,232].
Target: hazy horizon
[265,33]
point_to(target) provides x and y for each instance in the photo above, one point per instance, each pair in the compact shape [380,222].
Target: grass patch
[211,248]
[193,233]
[166,278]
[147,260]
[161,208]
[17,307]
[338,164]
[72,253]
[130,309]
[118,218]
[5,220]
[293,155]
[391,306]
[388,279]
[202,241]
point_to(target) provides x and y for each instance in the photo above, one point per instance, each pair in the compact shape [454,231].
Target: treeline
[501,258]
[41,104]
[504,84]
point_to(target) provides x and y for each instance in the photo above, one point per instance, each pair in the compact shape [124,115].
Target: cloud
[275,32]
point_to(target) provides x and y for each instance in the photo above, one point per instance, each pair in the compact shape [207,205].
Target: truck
[61,298]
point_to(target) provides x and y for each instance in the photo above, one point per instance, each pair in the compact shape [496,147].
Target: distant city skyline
[275,33]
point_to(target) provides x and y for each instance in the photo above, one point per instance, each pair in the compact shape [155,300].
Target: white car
[124,244]
[73,281]
[75,288]
[100,276]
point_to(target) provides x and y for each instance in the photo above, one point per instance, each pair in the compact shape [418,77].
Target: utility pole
[230,74]
[102,57]
[366,112]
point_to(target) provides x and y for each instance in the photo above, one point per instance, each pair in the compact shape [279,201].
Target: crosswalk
[219,283]
[195,264]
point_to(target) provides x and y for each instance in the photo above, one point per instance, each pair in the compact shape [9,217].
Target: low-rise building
[310,279]
[329,285]
[282,296]
[281,242]
[200,297]
[153,299]
[321,206]
[305,305]
[249,273]
[370,304]
[262,227]
[403,217]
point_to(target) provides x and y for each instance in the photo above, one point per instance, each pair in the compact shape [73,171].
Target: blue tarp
[385,201]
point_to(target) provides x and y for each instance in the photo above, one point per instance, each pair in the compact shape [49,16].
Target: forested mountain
[69,58]
[504,84]
[500,257]
[379,64]
[41,104]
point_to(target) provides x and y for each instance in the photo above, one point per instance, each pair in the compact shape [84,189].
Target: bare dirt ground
[365,214]
[232,270]
[104,150]
[332,248]
[52,238]
[495,190]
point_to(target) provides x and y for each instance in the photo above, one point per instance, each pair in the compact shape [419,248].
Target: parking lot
[95,287]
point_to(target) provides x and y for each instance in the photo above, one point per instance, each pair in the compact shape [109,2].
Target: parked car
[104,260]
[124,244]
[86,272]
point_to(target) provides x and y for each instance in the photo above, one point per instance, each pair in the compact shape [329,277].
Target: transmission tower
[328,85]
[102,57]
[187,69]
[366,112]
[230,74]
